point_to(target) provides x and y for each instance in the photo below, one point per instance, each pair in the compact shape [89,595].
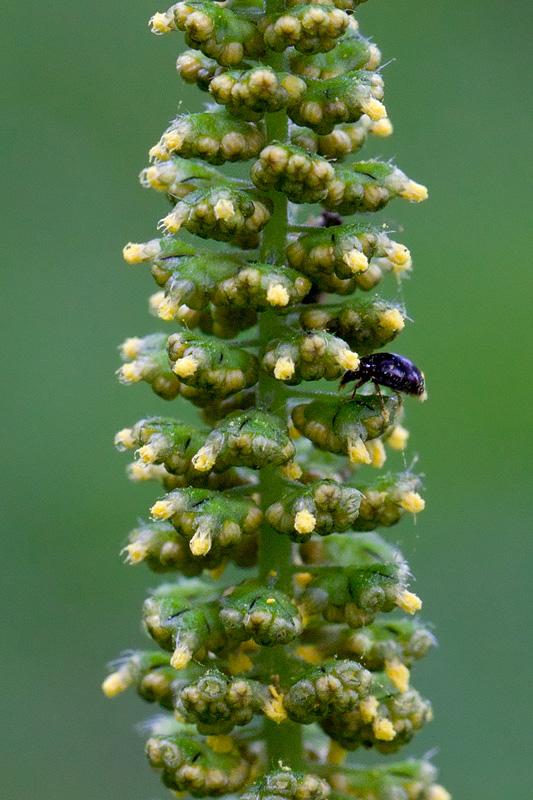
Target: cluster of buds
[214,137]
[273,480]
[301,356]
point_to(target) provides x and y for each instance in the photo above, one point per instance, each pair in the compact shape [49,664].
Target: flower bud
[289,169]
[321,508]
[160,440]
[342,426]
[384,502]
[384,643]
[308,356]
[364,324]
[257,90]
[149,672]
[147,360]
[352,52]
[368,186]
[194,67]
[343,140]
[333,687]
[265,615]
[284,784]
[307,28]
[345,98]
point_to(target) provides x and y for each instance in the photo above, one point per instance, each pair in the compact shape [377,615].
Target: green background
[87,90]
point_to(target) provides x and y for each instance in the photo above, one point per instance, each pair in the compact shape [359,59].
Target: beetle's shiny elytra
[391,370]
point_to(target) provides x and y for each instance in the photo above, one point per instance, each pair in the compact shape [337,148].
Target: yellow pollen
[186,367]
[291,470]
[200,543]
[180,658]
[167,309]
[336,754]
[224,209]
[218,571]
[171,223]
[239,663]
[409,602]
[304,522]
[438,792]
[130,348]
[303,579]
[398,437]
[356,260]
[357,452]
[374,109]
[204,460]
[133,253]
[135,553]
[162,509]
[116,683]
[398,674]
[398,253]
[273,709]
[412,502]
[392,320]
[220,744]
[309,653]
[368,708]
[155,301]
[131,373]
[147,454]
[284,368]
[146,472]
[172,140]
[125,438]
[277,295]
[376,452]
[293,432]
[348,359]
[157,151]
[271,600]
[414,192]
[161,23]
[383,729]
[382,127]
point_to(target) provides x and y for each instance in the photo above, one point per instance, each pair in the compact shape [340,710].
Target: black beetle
[388,369]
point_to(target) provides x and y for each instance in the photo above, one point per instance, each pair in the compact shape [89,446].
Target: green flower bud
[265,615]
[387,720]
[206,517]
[216,703]
[147,360]
[344,252]
[157,248]
[176,625]
[383,503]
[148,671]
[204,22]
[206,364]
[307,28]
[346,98]
[284,784]
[224,214]
[192,766]
[352,52]
[224,322]
[216,409]
[178,177]
[333,687]
[213,136]
[289,169]
[364,324]
[194,67]
[407,780]
[383,643]
[160,440]
[256,90]
[343,426]
[343,140]
[301,356]
[368,186]
[247,439]
[345,5]
[321,508]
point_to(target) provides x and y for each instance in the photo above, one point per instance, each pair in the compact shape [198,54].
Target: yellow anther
[186,367]
[162,509]
[392,320]
[239,662]
[377,453]
[304,522]
[277,295]
[399,254]
[200,543]
[284,368]
[116,683]
[172,141]
[412,502]
[147,454]
[135,552]
[171,222]
[125,438]
[374,109]
[336,754]
[167,308]
[356,260]
[155,301]
[357,452]
[368,708]
[180,658]
[309,653]
[398,674]
[383,729]
[382,127]
[205,459]
[130,348]
[348,359]
[224,209]
[409,601]
[414,192]
[271,601]
[220,744]
[273,709]
[438,792]
[303,579]
[131,373]
[398,437]
[291,470]
[162,23]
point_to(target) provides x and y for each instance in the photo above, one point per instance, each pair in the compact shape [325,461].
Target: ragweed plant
[280,647]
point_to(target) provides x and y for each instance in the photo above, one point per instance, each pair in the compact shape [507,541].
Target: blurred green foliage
[87,91]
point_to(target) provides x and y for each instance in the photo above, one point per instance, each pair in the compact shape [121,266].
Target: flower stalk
[287,632]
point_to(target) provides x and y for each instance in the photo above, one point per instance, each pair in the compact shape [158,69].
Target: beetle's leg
[378,392]
[356,387]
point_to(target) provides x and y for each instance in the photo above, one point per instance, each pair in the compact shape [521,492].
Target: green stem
[283,743]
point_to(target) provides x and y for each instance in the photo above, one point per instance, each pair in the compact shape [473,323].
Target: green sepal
[147,360]
[252,611]
[352,52]
[333,687]
[369,186]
